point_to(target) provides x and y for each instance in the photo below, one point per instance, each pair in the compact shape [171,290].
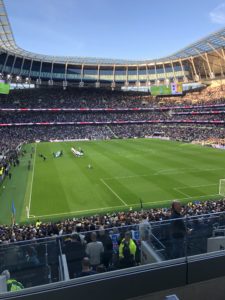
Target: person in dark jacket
[178,230]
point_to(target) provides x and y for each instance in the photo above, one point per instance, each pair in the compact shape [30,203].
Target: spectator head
[86,263]
[101,231]
[127,235]
[176,206]
[93,237]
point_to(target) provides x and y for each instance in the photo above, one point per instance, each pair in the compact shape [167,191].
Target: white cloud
[217,15]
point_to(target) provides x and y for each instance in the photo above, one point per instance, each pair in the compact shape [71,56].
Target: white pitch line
[190,186]
[177,190]
[126,177]
[32,179]
[121,206]
[165,201]
[180,171]
[78,211]
[102,180]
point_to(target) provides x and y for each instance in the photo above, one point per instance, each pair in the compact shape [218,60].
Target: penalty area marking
[178,190]
[114,193]
[115,207]
[167,172]
[186,198]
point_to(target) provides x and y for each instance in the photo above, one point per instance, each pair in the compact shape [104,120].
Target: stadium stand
[49,258]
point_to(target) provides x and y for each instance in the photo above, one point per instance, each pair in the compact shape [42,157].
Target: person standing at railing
[127,251]
[178,230]
[94,251]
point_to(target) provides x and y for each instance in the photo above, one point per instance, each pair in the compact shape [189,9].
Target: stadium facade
[202,60]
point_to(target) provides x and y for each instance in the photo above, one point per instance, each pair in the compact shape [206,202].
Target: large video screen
[176,88]
[170,89]
[4,88]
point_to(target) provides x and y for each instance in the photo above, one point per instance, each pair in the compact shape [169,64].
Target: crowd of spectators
[76,98]
[82,235]
[13,136]
[135,116]
[55,97]
[79,225]
[73,98]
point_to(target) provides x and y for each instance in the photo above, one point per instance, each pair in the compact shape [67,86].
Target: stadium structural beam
[214,49]
[182,68]
[3,67]
[156,75]
[52,70]
[127,74]
[12,68]
[174,76]
[164,70]
[221,69]
[65,74]
[146,70]
[147,75]
[202,56]
[99,67]
[194,68]
[40,70]
[21,68]
[114,72]
[82,73]
[137,74]
[31,65]
[204,67]
[211,74]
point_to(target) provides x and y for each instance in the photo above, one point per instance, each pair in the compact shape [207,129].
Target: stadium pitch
[123,174]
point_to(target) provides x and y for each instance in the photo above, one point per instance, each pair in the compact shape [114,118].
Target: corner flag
[13,211]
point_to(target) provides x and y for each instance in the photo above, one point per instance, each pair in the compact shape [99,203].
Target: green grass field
[124,171]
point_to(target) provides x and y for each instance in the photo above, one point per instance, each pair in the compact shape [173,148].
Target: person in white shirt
[94,251]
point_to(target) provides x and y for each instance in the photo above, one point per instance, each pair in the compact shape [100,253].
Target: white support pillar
[174,76]
[113,83]
[148,82]
[52,69]
[98,75]
[166,81]
[156,75]
[127,82]
[31,65]
[182,68]
[40,71]
[22,66]
[12,69]
[211,74]
[137,81]
[65,74]
[3,68]
[196,76]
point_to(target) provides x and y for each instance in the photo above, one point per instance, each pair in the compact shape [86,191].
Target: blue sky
[112,28]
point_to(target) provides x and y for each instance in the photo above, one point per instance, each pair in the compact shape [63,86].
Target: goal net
[222,187]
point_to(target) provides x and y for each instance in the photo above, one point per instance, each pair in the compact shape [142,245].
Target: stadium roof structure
[202,59]
[8,43]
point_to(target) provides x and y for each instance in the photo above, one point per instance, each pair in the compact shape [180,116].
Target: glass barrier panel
[102,249]
[31,263]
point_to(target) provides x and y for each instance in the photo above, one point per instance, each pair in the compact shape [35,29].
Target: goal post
[222,187]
